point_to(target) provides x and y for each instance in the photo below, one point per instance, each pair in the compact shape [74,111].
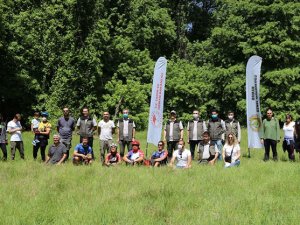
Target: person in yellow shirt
[42,133]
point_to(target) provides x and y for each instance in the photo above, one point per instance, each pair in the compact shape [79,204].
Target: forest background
[99,53]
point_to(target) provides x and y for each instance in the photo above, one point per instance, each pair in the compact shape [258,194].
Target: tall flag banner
[253,101]
[157,102]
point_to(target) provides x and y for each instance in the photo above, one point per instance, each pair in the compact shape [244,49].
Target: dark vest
[215,129]
[176,130]
[200,129]
[86,128]
[231,128]
[130,130]
[212,151]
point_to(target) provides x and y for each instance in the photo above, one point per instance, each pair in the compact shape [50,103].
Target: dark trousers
[68,145]
[290,148]
[123,144]
[270,143]
[17,145]
[193,145]
[36,149]
[90,143]
[4,150]
[171,146]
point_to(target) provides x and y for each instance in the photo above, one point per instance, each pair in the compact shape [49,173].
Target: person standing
[3,138]
[86,126]
[14,127]
[233,126]
[173,133]
[65,127]
[125,132]
[106,129]
[288,141]
[43,134]
[195,129]
[270,135]
[216,129]
[57,152]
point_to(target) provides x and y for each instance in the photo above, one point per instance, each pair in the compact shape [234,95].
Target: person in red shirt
[113,157]
[135,156]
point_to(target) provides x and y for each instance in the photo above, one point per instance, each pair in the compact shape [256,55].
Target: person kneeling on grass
[83,153]
[159,157]
[135,156]
[182,156]
[231,151]
[113,158]
[208,150]
[57,152]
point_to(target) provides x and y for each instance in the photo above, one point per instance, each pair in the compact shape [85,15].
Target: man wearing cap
[106,128]
[125,132]
[135,156]
[195,129]
[216,129]
[65,127]
[57,152]
[233,126]
[173,133]
[43,134]
[83,153]
[113,157]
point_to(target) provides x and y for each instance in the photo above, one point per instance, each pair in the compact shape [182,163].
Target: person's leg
[21,149]
[267,145]
[43,149]
[169,148]
[235,163]
[129,145]
[102,150]
[91,142]
[274,150]
[192,147]
[13,149]
[4,151]
[220,147]
[67,143]
[292,151]
[35,150]
[122,148]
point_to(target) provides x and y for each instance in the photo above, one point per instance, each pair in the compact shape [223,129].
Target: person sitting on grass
[182,156]
[135,156]
[83,153]
[231,151]
[159,157]
[208,150]
[113,158]
[57,152]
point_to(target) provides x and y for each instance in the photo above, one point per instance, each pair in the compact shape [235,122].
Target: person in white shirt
[208,150]
[106,129]
[182,156]
[231,151]
[14,128]
[288,141]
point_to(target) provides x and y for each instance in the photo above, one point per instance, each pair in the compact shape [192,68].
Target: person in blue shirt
[159,157]
[83,153]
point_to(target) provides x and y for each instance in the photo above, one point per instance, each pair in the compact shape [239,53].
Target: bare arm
[189,163]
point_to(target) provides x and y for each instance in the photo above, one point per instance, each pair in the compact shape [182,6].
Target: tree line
[101,54]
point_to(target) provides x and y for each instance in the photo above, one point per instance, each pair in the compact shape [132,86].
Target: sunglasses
[160,145]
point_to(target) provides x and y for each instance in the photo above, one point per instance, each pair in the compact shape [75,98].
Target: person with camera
[231,151]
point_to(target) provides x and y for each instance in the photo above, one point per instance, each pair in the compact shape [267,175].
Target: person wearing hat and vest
[173,133]
[233,126]
[43,134]
[135,156]
[208,150]
[195,129]
[86,126]
[65,127]
[125,132]
[216,128]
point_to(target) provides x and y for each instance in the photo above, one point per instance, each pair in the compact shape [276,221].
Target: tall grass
[254,193]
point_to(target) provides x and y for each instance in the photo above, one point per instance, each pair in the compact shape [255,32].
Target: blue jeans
[236,163]
[220,147]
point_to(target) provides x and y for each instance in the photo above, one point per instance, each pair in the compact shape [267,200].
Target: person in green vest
[270,135]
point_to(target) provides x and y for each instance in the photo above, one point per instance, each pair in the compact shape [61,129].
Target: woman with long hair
[288,141]
[231,151]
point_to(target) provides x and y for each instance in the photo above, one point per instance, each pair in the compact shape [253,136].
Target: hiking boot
[266,158]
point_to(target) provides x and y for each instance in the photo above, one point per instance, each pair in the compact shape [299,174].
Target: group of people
[212,139]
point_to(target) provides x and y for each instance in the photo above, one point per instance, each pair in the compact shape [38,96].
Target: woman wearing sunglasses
[231,151]
[182,156]
[159,157]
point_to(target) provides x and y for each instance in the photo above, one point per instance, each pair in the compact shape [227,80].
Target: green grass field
[254,193]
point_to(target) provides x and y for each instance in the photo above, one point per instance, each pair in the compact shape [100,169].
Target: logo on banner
[255,123]
[156,118]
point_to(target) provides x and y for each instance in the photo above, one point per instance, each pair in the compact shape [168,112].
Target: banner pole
[147,150]
[249,156]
